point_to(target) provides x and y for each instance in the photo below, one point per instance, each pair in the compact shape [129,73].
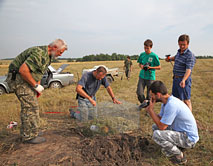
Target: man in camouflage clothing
[175,127]
[128,67]
[24,75]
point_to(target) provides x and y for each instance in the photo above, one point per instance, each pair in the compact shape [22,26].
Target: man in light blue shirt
[175,127]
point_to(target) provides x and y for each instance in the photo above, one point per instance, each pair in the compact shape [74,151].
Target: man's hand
[150,107]
[168,59]
[39,88]
[115,101]
[140,65]
[182,84]
[93,102]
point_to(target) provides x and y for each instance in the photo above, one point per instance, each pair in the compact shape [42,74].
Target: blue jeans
[86,109]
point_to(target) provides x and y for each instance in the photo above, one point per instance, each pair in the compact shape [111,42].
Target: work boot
[36,140]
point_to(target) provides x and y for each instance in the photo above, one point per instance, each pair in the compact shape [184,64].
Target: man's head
[183,42]
[148,46]
[157,90]
[57,47]
[100,72]
[128,57]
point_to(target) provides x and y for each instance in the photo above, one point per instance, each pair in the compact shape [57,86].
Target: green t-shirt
[153,59]
[36,58]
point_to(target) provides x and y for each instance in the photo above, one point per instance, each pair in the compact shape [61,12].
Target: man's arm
[168,59]
[109,90]
[155,67]
[140,65]
[185,77]
[156,118]
[26,75]
[80,91]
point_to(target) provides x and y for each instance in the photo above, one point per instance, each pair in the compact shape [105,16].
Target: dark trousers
[142,83]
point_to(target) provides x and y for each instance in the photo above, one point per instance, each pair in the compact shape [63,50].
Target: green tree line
[103,57]
[107,57]
[204,57]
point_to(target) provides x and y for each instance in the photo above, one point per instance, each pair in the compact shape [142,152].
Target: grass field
[62,99]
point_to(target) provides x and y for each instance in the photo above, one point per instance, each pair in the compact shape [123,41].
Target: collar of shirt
[183,52]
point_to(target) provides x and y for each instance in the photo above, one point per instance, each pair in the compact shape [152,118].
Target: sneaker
[72,113]
[144,104]
[36,140]
[179,160]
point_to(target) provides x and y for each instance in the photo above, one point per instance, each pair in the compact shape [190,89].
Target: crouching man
[175,127]
[86,90]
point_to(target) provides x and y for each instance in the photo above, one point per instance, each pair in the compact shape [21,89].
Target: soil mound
[118,150]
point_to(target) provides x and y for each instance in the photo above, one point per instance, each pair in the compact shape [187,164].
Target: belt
[175,76]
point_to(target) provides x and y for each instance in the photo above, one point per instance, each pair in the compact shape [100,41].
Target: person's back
[19,60]
[177,114]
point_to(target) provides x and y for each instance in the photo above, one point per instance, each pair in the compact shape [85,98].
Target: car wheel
[109,79]
[2,90]
[55,85]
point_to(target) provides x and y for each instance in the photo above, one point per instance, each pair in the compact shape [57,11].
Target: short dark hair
[148,43]
[128,57]
[101,69]
[184,37]
[158,87]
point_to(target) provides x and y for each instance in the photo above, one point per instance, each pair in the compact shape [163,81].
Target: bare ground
[68,143]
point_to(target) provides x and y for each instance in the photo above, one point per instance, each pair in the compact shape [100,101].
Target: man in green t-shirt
[128,67]
[148,62]
[24,75]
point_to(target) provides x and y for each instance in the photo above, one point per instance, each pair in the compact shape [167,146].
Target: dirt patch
[72,146]
[118,150]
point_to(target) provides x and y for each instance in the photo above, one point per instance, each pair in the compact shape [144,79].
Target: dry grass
[60,100]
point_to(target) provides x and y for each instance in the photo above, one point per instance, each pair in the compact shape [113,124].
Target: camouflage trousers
[171,141]
[127,72]
[29,106]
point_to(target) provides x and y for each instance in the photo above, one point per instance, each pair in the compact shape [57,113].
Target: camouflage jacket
[36,58]
[127,64]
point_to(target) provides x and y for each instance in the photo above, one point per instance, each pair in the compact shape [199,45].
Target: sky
[106,26]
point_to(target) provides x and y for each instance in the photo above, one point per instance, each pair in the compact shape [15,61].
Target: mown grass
[60,101]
